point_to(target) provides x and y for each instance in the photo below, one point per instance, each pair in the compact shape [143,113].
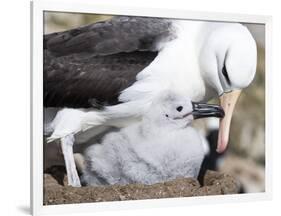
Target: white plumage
[161,147]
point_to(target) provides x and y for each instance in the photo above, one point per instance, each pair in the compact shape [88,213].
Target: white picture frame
[37,10]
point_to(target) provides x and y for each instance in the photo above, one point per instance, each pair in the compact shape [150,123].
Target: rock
[214,184]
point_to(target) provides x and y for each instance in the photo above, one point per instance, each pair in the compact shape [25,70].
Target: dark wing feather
[119,34]
[83,80]
[91,65]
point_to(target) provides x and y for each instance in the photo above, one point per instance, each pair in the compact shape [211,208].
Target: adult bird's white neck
[176,67]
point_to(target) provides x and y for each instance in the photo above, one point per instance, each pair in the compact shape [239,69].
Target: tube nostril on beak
[179,108]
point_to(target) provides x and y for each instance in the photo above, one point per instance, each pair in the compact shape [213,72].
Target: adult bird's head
[228,60]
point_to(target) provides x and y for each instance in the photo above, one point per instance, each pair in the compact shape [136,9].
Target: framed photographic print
[155,107]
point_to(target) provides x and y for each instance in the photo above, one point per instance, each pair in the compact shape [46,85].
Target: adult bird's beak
[227,102]
[204,110]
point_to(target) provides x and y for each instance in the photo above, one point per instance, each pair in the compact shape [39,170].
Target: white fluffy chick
[161,147]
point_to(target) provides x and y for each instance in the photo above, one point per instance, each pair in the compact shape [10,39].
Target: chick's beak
[227,102]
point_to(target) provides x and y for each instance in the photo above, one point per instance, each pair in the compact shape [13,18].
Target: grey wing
[119,34]
[90,65]
[84,80]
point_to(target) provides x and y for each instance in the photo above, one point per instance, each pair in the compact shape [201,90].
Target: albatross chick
[161,147]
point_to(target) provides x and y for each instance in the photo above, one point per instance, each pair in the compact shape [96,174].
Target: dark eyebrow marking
[224,72]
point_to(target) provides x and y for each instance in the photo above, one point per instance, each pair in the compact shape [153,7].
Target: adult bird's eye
[224,72]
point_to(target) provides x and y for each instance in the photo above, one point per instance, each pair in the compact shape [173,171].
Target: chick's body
[145,153]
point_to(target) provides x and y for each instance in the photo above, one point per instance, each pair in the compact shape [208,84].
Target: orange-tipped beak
[227,102]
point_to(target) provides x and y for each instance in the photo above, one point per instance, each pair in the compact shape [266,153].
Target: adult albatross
[108,73]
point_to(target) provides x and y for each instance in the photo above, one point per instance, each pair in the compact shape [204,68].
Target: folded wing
[91,65]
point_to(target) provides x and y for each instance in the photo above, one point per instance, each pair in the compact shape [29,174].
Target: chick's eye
[224,72]
[167,115]
[179,108]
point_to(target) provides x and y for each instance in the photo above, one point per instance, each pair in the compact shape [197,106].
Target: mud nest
[214,183]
